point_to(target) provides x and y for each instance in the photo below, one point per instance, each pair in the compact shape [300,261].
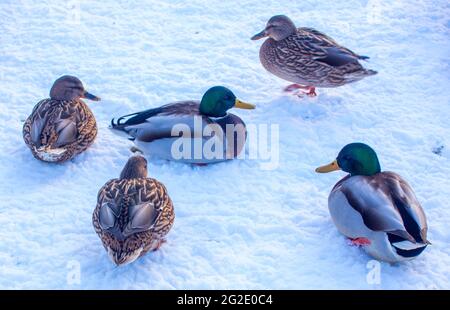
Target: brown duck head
[279,27]
[70,88]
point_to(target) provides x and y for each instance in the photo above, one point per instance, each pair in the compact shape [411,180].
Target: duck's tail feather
[117,125]
[359,74]
[407,248]
[50,154]
[370,72]
[362,57]
[134,118]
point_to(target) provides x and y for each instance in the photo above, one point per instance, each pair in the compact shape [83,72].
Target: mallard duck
[307,57]
[133,213]
[198,132]
[374,209]
[63,125]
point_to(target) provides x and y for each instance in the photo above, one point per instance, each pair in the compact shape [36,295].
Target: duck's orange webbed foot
[295,87]
[311,92]
[301,90]
[361,241]
[160,243]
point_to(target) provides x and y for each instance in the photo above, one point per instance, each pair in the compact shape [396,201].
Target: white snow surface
[237,226]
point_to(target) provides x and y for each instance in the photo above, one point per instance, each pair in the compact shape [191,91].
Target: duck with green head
[197,132]
[375,209]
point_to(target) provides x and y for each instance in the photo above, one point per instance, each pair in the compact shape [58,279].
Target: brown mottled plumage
[133,213]
[63,125]
[307,56]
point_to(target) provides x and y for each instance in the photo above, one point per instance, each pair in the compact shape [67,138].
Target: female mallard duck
[190,131]
[307,57]
[62,126]
[377,210]
[133,213]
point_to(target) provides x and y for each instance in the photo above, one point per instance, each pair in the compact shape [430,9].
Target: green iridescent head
[218,100]
[356,159]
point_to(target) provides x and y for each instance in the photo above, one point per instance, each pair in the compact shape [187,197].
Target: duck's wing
[317,35]
[387,203]
[107,210]
[407,205]
[36,122]
[171,109]
[323,41]
[159,122]
[322,49]
[155,193]
[134,206]
[56,124]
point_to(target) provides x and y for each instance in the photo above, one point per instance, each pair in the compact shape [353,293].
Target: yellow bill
[243,105]
[328,168]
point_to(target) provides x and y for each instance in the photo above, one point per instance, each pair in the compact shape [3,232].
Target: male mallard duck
[198,132]
[377,210]
[307,57]
[62,126]
[133,213]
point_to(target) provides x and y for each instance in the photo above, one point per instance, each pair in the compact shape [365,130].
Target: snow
[237,225]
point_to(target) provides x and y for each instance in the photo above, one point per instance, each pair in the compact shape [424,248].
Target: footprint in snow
[438,150]
[307,108]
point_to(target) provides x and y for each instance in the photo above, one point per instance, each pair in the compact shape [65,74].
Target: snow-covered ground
[237,225]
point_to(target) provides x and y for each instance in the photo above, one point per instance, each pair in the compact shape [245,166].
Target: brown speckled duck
[133,213]
[63,125]
[307,57]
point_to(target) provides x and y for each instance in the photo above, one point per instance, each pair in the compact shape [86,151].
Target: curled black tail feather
[137,118]
[363,57]
[116,125]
